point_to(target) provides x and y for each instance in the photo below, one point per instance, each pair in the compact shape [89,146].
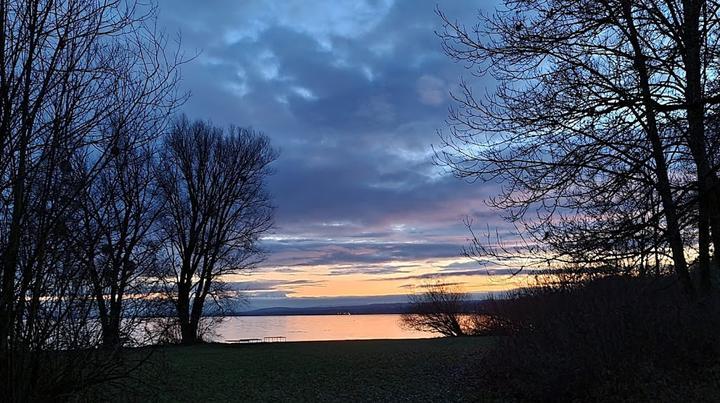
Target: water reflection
[317,327]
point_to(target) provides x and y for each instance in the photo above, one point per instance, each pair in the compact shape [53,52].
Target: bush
[594,338]
[440,308]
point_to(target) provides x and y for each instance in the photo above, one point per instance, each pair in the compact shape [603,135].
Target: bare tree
[215,210]
[598,102]
[67,69]
[120,244]
[438,308]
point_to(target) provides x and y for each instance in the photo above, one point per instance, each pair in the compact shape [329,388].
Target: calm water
[317,327]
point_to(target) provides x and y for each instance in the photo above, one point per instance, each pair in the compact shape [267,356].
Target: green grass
[374,370]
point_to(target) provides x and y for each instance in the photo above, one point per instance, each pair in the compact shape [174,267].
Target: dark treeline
[112,210]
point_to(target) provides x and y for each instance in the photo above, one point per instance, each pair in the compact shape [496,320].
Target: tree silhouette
[212,183]
[437,309]
[68,70]
[600,112]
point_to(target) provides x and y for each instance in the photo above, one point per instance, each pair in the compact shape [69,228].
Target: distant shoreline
[367,309]
[391,308]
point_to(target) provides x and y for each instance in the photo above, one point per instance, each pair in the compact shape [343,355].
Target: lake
[317,327]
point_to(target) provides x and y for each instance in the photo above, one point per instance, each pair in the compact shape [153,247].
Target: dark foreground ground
[437,370]
[376,370]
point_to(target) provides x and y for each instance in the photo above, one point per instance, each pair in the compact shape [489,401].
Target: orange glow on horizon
[330,281]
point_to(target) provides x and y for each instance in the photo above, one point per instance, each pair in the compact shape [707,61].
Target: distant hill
[368,309]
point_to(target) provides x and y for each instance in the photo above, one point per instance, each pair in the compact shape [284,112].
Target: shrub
[592,338]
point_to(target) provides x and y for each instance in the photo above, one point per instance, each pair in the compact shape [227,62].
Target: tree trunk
[707,208]
[188,332]
[704,247]
[111,330]
[674,236]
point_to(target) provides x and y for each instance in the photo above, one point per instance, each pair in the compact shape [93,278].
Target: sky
[352,93]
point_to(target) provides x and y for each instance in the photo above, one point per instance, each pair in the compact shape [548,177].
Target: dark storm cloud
[352,94]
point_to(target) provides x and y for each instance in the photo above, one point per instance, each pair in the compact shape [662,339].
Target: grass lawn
[374,370]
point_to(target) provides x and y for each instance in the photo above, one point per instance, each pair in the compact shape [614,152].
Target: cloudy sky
[352,93]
